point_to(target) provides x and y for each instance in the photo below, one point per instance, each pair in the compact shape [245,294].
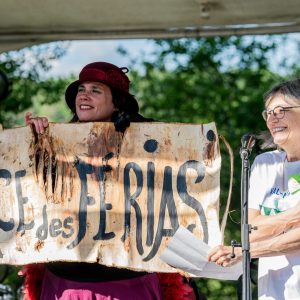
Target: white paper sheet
[189,254]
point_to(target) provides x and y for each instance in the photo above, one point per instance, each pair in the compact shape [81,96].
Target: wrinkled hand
[39,123]
[221,255]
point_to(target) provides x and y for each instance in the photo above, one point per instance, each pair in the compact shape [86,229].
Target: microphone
[248,141]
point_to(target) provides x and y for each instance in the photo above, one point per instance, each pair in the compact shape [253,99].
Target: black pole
[4,85]
[248,142]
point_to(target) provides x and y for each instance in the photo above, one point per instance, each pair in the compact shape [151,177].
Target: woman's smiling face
[284,128]
[94,102]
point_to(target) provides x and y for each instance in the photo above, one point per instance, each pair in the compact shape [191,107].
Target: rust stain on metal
[53,168]
[39,245]
[19,248]
[168,141]
[212,207]
[100,256]
[127,244]
[102,142]
[184,221]
[209,151]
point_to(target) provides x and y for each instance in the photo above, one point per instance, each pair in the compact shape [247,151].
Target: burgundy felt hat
[108,74]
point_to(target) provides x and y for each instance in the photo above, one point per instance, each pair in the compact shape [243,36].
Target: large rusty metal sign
[84,192]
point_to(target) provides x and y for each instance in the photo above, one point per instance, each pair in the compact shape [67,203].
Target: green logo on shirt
[278,201]
[294,184]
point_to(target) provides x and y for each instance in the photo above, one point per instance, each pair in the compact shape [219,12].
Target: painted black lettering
[5,174]
[167,201]
[6,225]
[67,225]
[150,146]
[186,198]
[150,203]
[210,135]
[130,200]
[101,234]
[21,201]
[42,231]
[55,227]
[83,169]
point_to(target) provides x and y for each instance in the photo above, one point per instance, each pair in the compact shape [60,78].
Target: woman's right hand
[39,123]
[221,255]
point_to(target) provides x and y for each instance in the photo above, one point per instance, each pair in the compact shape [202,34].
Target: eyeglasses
[277,112]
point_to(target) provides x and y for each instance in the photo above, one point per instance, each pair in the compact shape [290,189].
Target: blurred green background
[220,79]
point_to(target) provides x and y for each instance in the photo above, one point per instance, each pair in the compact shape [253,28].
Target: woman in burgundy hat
[101,94]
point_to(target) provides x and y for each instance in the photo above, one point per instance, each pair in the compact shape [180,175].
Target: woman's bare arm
[274,225]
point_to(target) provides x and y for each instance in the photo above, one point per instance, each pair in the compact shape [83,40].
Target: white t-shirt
[275,187]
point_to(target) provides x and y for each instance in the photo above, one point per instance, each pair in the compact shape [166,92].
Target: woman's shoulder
[270,157]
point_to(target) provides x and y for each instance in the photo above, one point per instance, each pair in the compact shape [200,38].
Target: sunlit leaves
[27,69]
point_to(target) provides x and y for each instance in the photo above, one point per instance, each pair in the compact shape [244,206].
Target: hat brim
[72,90]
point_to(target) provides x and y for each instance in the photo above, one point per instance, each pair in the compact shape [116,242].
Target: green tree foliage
[220,79]
[27,70]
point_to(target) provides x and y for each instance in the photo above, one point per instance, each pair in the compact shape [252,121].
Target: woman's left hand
[221,255]
[39,123]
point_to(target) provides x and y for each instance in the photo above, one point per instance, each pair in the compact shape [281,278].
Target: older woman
[274,200]
[101,94]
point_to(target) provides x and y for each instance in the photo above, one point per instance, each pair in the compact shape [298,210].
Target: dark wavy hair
[289,88]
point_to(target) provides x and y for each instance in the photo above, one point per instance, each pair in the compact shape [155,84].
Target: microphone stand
[248,142]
